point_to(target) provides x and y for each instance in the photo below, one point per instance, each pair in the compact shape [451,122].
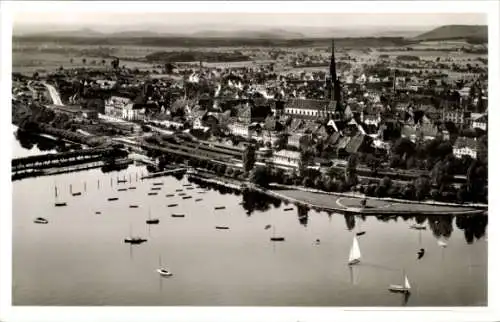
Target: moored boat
[41,220]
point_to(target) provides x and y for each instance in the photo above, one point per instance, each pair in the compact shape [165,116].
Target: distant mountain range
[455,32]
[439,33]
[221,32]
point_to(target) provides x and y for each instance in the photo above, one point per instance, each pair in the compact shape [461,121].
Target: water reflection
[302,213]
[473,227]
[28,141]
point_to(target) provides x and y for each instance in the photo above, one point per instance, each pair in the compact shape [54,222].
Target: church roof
[308,104]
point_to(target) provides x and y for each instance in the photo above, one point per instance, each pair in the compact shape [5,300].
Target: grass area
[337,202]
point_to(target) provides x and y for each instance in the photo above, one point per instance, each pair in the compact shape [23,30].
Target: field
[30,56]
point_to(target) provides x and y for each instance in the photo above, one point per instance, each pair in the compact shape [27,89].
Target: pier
[55,160]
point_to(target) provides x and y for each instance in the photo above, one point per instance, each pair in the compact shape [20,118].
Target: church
[314,109]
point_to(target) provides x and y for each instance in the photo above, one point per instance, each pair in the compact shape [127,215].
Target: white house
[286,157]
[122,107]
[237,128]
[481,123]
[465,146]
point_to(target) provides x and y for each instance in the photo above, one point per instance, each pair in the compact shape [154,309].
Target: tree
[71,60]
[422,187]
[249,158]
[351,178]
[260,176]
[373,163]
[282,141]
[115,63]
[84,61]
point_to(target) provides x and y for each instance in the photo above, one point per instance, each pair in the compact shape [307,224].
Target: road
[54,95]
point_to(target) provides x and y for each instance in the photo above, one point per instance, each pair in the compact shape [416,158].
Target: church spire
[333,75]
[333,69]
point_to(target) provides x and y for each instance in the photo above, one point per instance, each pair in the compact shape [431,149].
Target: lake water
[79,258]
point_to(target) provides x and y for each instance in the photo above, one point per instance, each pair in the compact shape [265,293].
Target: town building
[481,123]
[465,146]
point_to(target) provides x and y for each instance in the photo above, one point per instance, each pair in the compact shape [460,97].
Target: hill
[478,32]
[248,34]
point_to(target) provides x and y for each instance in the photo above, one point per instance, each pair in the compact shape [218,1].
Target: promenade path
[373,207]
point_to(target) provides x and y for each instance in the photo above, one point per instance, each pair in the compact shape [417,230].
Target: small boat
[442,243]
[405,288]
[189,188]
[199,199]
[219,207]
[178,190]
[418,226]
[361,233]
[131,188]
[122,189]
[182,194]
[162,270]
[187,185]
[277,238]
[76,194]
[355,253]
[152,193]
[157,183]
[420,253]
[135,240]
[155,188]
[274,238]
[172,205]
[317,242]
[112,199]
[152,221]
[267,227]
[169,195]
[178,215]
[133,206]
[121,181]
[60,204]
[41,220]
[187,197]
[202,192]
[288,209]
[97,212]
[222,227]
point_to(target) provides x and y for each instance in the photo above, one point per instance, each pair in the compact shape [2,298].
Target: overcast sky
[55,19]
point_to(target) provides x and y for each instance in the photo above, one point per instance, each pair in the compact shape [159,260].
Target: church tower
[333,76]
[334,90]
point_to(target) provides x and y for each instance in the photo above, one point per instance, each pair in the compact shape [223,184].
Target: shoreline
[346,210]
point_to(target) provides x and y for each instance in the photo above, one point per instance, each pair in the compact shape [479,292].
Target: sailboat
[134,240]
[275,238]
[152,221]
[355,253]
[58,203]
[163,271]
[405,288]
[221,227]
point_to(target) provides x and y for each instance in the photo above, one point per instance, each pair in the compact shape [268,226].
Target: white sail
[407,283]
[355,253]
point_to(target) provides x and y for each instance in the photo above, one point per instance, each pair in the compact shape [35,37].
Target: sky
[272,20]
